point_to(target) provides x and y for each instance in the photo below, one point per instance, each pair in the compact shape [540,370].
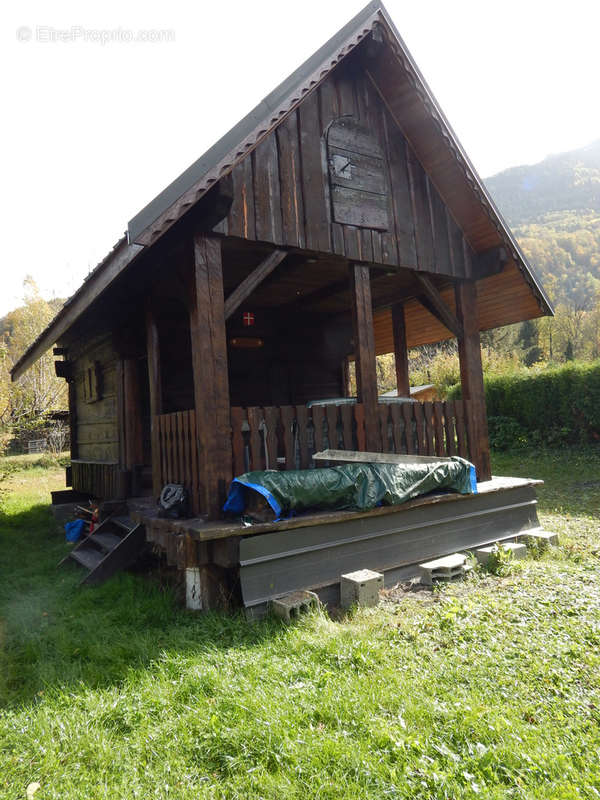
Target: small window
[92,383]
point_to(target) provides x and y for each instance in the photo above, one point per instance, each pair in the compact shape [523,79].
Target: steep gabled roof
[411,103]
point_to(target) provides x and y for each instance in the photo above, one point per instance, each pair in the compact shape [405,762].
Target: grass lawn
[487,689]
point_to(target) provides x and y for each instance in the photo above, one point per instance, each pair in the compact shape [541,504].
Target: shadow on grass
[56,635]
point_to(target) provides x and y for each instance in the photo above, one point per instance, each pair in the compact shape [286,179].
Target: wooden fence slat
[427,415]
[408,415]
[449,420]
[461,430]
[359,416]
[287,421]
[302,420]
[397,427]
[237,440]
[332,429]
[318,415]
[346,414]
[383,411]
[271,421]
[438,417]
[256,438]
[194,460]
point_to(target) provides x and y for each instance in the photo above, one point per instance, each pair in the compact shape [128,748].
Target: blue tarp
[350,486]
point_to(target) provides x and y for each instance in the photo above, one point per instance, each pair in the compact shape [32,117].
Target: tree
[38,390]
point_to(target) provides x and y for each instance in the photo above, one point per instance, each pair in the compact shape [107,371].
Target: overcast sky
[93,131]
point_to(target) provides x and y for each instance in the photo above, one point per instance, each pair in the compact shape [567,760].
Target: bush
[559,405]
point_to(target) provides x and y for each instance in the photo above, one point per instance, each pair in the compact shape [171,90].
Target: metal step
[125,523]
[87,557]
[105,541]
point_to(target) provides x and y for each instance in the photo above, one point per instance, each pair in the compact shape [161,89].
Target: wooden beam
[400,350]
[250,282]
[364,351]
[471,378]
[156,399]
[437,305]
[132,415]
[211,381]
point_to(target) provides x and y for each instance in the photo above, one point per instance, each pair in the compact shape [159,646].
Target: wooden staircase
[114,544]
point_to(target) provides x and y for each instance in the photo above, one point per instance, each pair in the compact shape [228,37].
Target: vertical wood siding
[282,193]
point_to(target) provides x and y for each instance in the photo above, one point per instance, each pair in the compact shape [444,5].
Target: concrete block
[517,550]
[539,535]
[290,606]
[360,588]
[448,568]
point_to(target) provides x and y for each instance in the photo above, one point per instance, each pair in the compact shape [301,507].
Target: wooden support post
[364,351]
[471,378]
[132,412]
[400,350]
[155,384]
[211,381]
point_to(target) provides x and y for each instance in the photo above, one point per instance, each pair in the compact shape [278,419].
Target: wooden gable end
[338,176]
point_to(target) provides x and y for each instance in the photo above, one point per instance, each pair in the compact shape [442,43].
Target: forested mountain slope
[554,210]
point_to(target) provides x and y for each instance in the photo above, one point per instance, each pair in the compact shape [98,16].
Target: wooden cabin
[339,220]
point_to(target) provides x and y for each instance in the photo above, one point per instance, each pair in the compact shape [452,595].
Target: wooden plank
[255,417]
[318,415]
[195,498]
[237,440]
[241,215]
[302,420]
[132,422]
[420,209]
[360,208]
[251,281]
[400,350]
[449,420]
[461,429]
[384,414]
[347,432]
[364,344]
[288,417]
[155,389]
[359,416]
[400,193]
[428,415]
[267,200]
[332,430]
[438,425]
[316,207]
[420,429]
[439,223]
[271,439]
[471,378]
[187,466]
[329,111]
[438,306]
[397,428]
[211,382]
[290,174]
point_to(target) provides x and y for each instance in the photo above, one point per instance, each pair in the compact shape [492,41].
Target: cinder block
[539,535]
[517,550]
[290,606]
[448,568]
[360,588]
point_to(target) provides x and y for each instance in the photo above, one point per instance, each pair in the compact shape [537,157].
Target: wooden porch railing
[286,437]
[96,478]
[178,449]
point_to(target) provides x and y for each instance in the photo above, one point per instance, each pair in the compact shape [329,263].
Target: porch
[286,437]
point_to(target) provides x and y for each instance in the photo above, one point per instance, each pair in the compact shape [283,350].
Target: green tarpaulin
[350,486]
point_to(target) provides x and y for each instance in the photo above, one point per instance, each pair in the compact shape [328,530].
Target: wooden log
[211,381]
[471,378]
[364,347]
[400,350]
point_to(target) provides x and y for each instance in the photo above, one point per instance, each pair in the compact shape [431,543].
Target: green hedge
[558,405]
